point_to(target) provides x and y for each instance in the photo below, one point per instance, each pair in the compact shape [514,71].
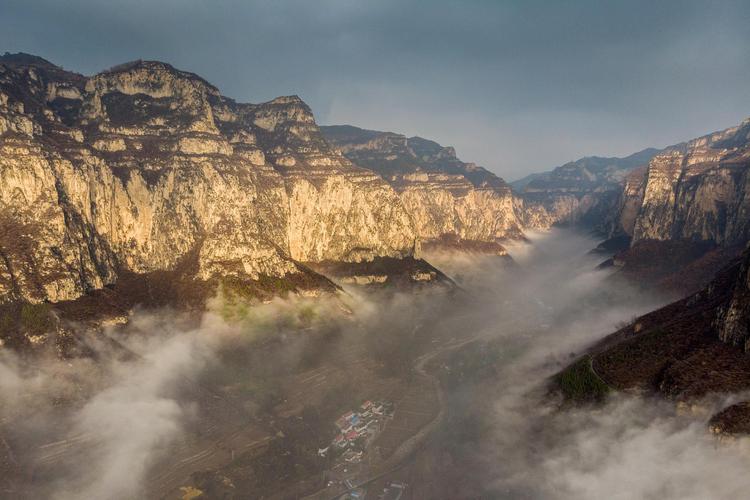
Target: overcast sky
[516,86]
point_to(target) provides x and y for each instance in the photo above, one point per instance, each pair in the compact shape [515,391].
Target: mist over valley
[374,250]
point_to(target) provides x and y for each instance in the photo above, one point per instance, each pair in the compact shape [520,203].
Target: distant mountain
[587,174]
[580,191]
[519,184]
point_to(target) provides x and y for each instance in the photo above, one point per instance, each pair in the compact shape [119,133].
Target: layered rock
[444,196]
[733,317]
[696,191]
[143,165]
[585,191]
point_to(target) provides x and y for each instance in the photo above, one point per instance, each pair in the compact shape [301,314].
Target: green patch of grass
[36,318]
[249,289]
[18,320]
[7,323]
[280,286]
[579,383]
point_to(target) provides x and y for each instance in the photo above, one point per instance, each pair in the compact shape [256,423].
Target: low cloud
[125,413]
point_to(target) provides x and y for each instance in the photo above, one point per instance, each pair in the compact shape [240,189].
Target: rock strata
[135,168]
[443,195]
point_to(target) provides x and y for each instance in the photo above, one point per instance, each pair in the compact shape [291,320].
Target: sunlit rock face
[142,165]
[696,191]
[443,195]
[585,191]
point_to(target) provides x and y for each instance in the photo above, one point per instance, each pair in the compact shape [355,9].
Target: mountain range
[143,184]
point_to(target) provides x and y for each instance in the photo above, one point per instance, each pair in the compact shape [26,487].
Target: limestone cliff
[444,196]
[138,167]
[696,191]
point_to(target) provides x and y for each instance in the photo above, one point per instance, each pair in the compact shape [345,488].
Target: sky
[517,86]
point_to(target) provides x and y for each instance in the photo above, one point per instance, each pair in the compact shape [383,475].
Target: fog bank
[167,396]
[541,315]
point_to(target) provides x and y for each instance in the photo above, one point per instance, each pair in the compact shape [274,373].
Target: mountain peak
[154,67]
[288,99]
[24,59]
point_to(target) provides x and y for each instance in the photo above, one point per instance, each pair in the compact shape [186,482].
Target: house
[360,428]
[353,456]
[363,426]
[345,419]
[352,435]
[340,441]
[366,405]
[342,423]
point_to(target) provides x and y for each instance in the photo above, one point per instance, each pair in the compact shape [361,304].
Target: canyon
[236,276]
[145,168]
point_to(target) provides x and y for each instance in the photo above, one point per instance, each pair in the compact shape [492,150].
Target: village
[356,431]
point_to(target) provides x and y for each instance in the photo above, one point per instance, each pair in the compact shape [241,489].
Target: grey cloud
[516,86]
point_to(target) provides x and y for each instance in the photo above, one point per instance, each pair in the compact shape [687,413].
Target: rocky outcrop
[443,195]
[584,192]
[685,215]
[135,168]
[696,191]
[733,317]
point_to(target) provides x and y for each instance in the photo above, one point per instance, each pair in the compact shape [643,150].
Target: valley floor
[224,411]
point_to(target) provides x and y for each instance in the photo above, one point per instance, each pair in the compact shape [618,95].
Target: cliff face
[141,166]
[444,195]
[696,191]
[693,191]
[733,316]
[585,191]
[682,217]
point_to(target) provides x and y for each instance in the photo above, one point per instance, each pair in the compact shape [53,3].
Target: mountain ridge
[446,196]
[137,166]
